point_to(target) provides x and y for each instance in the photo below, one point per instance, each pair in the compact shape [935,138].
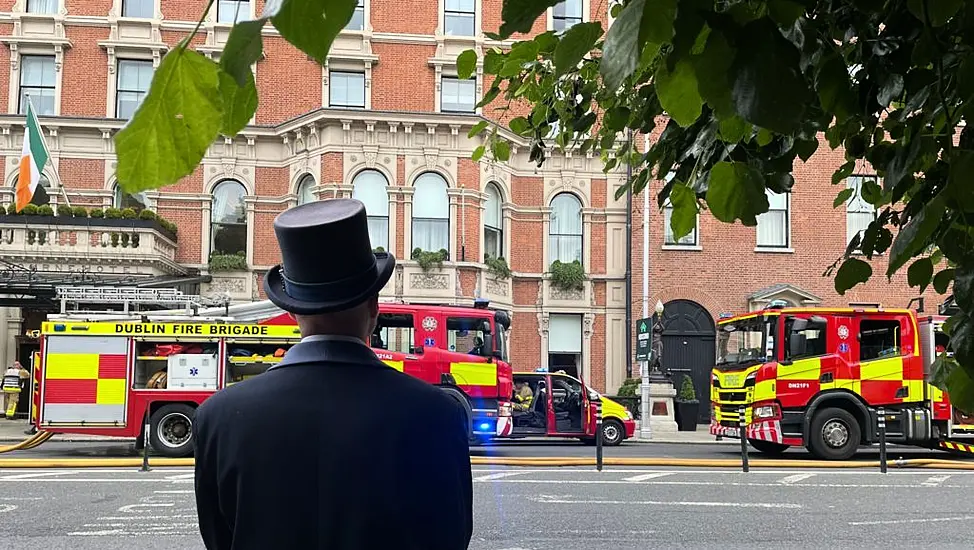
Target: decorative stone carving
[428,281]
[497,287]
[542,324]
[232,285]
[370,157]
[562,294]
[430,160]
[588,325]
[229,165]
[399,282]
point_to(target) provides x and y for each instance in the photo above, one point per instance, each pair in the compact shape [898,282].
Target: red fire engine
[819,377]
[107,376]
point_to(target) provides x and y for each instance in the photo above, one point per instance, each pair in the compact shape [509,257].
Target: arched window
[228,219]
[565,229]
[306,189]
[136,202]
[42,194]
[369,186]
[493,223]
[431,213]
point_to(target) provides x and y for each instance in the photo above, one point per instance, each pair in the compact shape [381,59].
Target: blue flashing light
[59,328]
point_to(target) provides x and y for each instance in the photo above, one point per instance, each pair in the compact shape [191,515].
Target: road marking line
[491,477]
[179,492]
[104,533]
[557,500]
[37,474]
[644,477]
[934,481]
[719,484]
[181,476]
[902,521]
[130,507]
[795,478]
[7,508]
[140,518]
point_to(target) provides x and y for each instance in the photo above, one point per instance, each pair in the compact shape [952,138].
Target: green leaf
[657,21]
[239,103]
[764,137]
[312,25]
[892,89]
[940,371]
[843,197]
[575,44]
[244,47]
[493,61]
[501,149]
[715,62]
[466,64]
[621,51]
[478,153]
[960,386]
[852,272]
[677,92]
[962,340]
[964,287]
[684,217]
[736,192]
[477,128]
[179,119]
[958,181]
[872,192]
[942,280]
[920,273]
[520,15]
[843,172]
[806,148]
[785,12]
[519,125]
[939,10]
[733,129]
[768,88]
[913,237]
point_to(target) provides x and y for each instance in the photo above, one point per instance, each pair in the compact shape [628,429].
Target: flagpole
[64,193]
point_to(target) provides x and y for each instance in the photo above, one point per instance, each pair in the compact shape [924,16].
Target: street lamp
[656,366]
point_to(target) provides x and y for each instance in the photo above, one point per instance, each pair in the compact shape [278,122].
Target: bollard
[598,435]
[882,440]
[742,422]
[145,442]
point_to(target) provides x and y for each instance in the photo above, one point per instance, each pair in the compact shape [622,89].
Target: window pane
[493,242]
[137,8]
[228,203]
[689,239]
[430,199]
[41,98]
[566,215]
[128,102]
[379,232]
[36,70]
[460,5]
[228,11]
[459,24]
[457,95]
[878,339]
[306,189]
[569,9]
[565,248]
[777,201]
[369,186]
[357,22]
[229,238]
[856,222]
[42,6]
[492,208]
[347,89]
[430,234]
[773,228]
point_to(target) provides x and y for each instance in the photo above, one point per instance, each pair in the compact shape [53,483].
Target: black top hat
[327,259]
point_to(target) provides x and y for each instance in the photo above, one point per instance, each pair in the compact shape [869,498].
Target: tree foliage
[737,91]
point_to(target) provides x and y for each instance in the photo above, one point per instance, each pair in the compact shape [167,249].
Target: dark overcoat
[332,449]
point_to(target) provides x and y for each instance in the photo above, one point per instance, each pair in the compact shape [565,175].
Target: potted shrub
[687,406]
[228,262]
[45,210]
[79,212]
[497,267]
[97,213]
[570,276]
[64,210]
[429,260]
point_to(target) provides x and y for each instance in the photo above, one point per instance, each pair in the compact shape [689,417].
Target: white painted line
[181,476]
[180,492]
[104,533]
[934,481]
[903,521]
[721,484]
[7,508]
[562,500]
[131,507]
[491,477]
[795,478]
[142,518]
[644,477]
[38,474]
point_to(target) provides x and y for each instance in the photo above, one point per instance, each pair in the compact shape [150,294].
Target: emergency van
[104,376]
[820,377]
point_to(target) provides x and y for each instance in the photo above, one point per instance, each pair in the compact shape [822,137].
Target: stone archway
[689,340]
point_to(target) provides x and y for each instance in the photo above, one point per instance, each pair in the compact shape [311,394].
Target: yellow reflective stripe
[882,369]
[936,394]
[394,364]
[803,369]
[71,366]
[111,391]
[853,385]
[915,390]
[474,374]
[764,390]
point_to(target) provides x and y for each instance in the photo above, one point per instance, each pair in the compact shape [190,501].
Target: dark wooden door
[689,343]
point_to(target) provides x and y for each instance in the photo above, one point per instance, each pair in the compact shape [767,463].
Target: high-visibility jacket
[12,380]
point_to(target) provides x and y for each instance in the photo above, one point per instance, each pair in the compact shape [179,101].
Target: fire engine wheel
[171,430]
[768,447]
[834,435]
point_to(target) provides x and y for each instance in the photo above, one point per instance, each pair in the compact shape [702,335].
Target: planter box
[100,223]
[686,415]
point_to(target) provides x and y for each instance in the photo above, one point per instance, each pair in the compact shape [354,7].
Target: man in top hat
[332,448]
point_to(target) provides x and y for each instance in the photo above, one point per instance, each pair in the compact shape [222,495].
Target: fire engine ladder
[134,296]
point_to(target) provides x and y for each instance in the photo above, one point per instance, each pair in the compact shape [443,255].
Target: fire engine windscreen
[745,342]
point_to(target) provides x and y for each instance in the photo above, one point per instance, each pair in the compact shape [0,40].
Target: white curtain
[228,203]
[369,186]
[306,189]
[431,213]
[42,6]
[37,79]
[773,224]
[493,223]
[565,229]
[859,213]
[564,333]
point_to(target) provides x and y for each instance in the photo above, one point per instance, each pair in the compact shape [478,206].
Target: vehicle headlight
[628,415]
[751,377]
[765,411]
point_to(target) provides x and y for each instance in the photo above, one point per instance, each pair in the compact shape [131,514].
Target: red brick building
[386,121]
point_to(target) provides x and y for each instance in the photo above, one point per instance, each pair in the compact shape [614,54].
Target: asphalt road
[524,448]
[542,509]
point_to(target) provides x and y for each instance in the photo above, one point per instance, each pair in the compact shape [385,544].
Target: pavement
[542,509]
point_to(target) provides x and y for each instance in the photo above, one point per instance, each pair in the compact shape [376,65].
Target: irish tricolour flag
[32,159]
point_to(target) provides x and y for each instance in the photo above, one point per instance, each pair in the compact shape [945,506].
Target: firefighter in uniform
[14,380]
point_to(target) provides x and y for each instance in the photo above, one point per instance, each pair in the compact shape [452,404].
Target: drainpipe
[629,262]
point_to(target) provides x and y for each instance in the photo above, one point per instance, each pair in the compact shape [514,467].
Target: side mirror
[418,350]
[796,344]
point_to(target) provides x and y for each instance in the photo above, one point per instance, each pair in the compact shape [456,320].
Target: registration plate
[732,381]
[732,432]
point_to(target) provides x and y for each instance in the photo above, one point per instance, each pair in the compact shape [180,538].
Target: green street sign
[644,339]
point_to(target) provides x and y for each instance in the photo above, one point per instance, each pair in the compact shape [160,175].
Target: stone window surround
[451,72]
[133,54]
[20,6]
[588,328]
[586,14]
[505,227]
[20,46]
[116,11]
[339,64]
[587,213]
[441,24]
[250,200]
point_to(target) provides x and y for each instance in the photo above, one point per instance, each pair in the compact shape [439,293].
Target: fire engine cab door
[84,380]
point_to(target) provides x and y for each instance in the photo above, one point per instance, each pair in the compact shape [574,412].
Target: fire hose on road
[29,443]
